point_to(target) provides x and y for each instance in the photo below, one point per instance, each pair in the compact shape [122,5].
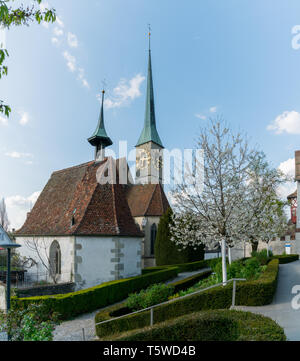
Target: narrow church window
[55,258]
[153,236]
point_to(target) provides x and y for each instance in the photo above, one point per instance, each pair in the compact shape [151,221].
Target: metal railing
[151,308]
[37,279]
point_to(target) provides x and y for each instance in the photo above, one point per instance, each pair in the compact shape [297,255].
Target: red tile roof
[98,209]
[147,200]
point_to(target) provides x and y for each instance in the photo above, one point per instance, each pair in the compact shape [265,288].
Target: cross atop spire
[149,132]
[100,140]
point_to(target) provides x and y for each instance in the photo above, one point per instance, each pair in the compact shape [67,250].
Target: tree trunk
[224,268]
[229,255]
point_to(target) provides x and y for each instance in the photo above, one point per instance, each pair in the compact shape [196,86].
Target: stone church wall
[102,259]
[148,259]
[67,256]
[277,247]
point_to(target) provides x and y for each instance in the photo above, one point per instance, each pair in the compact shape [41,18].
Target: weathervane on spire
[104,84]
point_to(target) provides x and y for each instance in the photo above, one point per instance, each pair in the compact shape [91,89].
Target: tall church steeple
[100,140]
[149,132]
[149,145]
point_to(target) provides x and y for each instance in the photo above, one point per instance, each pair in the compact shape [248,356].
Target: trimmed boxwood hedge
[249,293]
[185,267]
[261,291]
[286,258]
[218,325]
[121,309]
[90,299]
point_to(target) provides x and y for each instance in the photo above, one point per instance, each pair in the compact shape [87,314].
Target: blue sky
[231,57]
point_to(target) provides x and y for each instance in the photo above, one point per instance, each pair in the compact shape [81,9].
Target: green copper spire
[149,133]
[100,137]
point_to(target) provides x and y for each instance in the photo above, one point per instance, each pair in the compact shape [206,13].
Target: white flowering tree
[221,210]
[264,217]
[274,223]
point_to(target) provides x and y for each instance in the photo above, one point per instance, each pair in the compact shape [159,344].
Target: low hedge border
[185,267]
[286,258]
[90,299]
[121,309]
[251,293]
[218,325]
[259,292]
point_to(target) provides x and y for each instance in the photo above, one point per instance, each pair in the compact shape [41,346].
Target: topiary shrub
[167,252]
[202,326]
[217,325]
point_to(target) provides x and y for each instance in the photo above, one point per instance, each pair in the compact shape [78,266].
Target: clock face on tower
[145,159]
[157,161]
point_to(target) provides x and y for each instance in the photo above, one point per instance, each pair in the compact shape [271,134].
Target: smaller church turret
[100,140]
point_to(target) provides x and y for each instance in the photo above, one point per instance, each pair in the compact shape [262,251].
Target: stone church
[87,231]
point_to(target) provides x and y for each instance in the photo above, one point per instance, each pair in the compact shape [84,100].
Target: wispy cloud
[125,92]
[287,122]
[58,32]
[72,40]
[24,118]
[60,22]
[81,77]
[71,61]
[18,206]
[201,116]
[205,114]
[18,155]
[3,120]
[59,36]
[288,168]
[55,40]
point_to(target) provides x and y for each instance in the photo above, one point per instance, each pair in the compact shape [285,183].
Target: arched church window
[152,237]
[55,258]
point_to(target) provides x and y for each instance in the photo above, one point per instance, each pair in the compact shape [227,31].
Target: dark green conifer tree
[167,252]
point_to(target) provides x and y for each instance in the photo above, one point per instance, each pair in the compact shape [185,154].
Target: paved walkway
[72,330]
[280,310]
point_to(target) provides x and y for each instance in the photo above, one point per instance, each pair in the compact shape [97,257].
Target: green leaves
[31,324]
[4,108]
[153,295]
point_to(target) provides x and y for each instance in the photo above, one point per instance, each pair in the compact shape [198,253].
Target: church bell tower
[149,148]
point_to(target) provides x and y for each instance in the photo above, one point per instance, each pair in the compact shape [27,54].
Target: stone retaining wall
[46,290]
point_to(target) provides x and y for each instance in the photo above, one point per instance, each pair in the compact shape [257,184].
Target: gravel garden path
[72,330]
[281,310]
